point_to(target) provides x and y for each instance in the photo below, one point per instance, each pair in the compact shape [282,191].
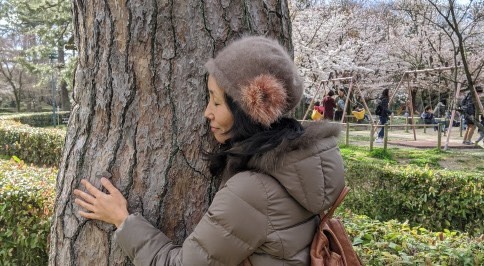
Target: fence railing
[389,127]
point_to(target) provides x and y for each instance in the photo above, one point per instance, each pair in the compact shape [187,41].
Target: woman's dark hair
[428,107]
[385,93]
[330,93]
[249,138]
[317,103]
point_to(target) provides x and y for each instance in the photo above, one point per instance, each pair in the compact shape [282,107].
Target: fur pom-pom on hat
[264,98]
[258,74]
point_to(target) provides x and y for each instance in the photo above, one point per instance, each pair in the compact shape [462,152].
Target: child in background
[318,111]
[318,107]
[360,114]
[428,117]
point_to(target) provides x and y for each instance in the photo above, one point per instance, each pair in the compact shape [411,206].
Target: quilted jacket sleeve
[233,227]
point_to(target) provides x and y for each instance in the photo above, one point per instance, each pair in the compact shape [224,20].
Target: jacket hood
[310,167]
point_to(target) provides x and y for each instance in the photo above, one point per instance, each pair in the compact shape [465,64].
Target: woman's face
[218,112]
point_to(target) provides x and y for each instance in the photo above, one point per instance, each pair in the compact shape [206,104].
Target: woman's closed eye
[214,101]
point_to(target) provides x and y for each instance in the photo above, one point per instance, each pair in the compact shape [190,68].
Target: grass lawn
[454,160]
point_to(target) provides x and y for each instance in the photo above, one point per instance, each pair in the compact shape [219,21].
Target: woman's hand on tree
[110,208]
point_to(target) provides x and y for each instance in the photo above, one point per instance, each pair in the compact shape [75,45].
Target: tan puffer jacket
[267,215]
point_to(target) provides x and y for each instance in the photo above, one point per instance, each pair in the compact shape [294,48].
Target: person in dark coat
[329,105]
[385,112]
[469,111]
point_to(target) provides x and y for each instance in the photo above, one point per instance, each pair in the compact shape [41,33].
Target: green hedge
[436,199]
[34,145]
[37,119]
[26,203]
[395,243]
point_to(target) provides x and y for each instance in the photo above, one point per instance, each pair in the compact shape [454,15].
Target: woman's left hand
[110,208]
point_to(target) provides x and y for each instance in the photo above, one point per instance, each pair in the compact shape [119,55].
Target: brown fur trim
[264,99]
[322,132]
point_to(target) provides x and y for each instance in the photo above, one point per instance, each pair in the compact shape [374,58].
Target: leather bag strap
[338,201]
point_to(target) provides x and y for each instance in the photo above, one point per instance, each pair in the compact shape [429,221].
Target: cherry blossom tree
[376,42]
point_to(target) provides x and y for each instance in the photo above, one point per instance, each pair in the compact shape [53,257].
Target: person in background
[385,112]
[277,175]
[428,117]
[318,107]
[329,105]
[439,110]
[360,114]
[318,111]
[340,104]
[469,111]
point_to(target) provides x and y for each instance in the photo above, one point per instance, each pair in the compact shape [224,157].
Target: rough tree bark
[139,96]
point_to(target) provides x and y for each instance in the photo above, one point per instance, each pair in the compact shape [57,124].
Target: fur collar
[313,133]
[270,162]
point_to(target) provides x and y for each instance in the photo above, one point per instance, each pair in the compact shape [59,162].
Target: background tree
[378,41]
[461,27]
[139,96]
[19,81]
[10,70]
[346,38]
[463,24]
[49,24]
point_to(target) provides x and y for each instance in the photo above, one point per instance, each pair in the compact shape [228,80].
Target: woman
[276,174]
[385,112]
[469,112]
[329,105]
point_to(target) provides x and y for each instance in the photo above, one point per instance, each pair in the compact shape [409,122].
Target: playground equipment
[359,114]
[406,77]
[351,79]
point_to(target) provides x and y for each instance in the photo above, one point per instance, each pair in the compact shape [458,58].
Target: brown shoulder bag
[331,245]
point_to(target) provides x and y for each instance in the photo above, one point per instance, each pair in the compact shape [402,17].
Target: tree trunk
[139,96]
[17,101]
[64,93]
[64,96]
[9,76]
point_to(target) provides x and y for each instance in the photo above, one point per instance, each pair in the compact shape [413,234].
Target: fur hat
[258,74]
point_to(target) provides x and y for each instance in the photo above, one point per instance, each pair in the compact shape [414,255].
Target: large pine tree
[139,93]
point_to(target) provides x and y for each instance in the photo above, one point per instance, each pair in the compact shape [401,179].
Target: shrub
[36,119]
[27,197]
[437,199]
[395,243]
[381,154]
[33,145]
[26,203]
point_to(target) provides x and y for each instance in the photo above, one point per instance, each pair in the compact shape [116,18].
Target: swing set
[406,77]
[325,83]
[451,104]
